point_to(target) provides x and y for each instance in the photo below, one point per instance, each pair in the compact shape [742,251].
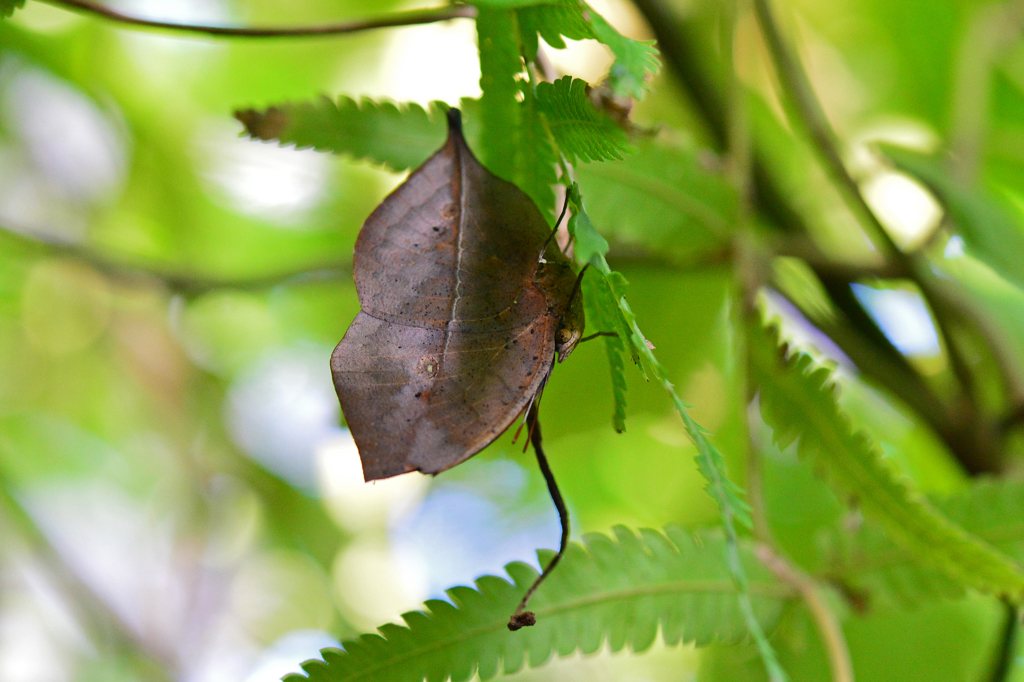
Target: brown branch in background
[979,449]
[522,617]
[408,18]
[826,622]
[178,281]
[809,589]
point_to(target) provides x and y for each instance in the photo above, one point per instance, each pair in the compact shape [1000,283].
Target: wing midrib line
[460,193]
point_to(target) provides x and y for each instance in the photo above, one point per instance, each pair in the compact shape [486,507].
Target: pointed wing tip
[454,121]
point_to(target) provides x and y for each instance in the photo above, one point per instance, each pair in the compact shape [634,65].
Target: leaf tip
[265,125]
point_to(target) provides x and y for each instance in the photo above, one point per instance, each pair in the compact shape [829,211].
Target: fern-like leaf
[601,315]
[397,136]
[798,402]
[552,21]
[580,130]
[591,248]
[619,591]
[871,566]
[7,7]
[500,64]
[636,61]
[535,157]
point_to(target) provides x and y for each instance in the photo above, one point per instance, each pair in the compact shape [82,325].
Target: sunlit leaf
[636,61]
[602,315]
[617,592]
[798,401]
[580,130]
[500,63]
[397,136]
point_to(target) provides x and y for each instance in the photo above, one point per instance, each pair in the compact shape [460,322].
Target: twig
[93,613]
[188,284]
[828,625]
[797,85]
[522,617]
[408,18]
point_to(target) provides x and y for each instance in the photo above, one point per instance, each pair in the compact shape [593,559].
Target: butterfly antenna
[522,617]
[577,286]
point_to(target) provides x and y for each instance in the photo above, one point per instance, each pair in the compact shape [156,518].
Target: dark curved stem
[1003,662]
[409,18]
[591,337]
[522,617]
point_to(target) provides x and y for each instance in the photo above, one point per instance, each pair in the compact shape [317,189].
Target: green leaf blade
[618,591]
[602,314]
[581,131]
[397,136]
[636,61]
[798,402]
[500,64]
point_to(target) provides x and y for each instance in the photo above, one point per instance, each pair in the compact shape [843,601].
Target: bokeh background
[178,499]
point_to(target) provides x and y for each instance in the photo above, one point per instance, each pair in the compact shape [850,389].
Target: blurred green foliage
[178,500]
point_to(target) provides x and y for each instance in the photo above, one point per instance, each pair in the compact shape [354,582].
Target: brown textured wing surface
[409,412]
[452,243]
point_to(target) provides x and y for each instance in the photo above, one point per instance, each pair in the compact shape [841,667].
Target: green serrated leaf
[7,7]
[397,136]
[590,249]
[798,402]
[989,229]
[580,130]
[535,157]
[871,564]
[636,61]
[552,21]
[602,315]
[501,64]
[619,591]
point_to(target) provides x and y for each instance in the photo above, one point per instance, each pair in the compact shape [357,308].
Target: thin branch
[185,283]
[828,625]
[408,18]
[92,613]
[522,617]
[797,86]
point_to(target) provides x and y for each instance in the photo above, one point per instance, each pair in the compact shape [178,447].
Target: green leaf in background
[552,21]
[636,61]
[989,230]
[669,199]
[870,566]
[620,591]
[7,7]
[798,401]
[581,131]
[397,136]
